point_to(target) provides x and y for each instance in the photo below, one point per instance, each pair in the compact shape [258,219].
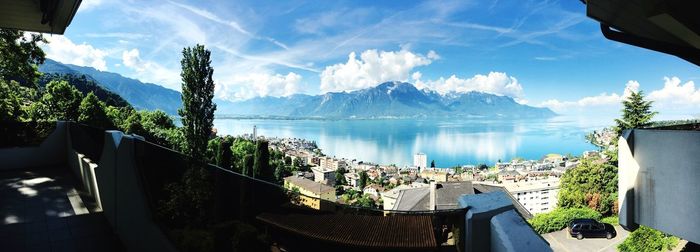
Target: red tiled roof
[384,232]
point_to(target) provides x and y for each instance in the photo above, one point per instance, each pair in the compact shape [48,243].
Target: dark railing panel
[24,134]
[246,213]
[87,140]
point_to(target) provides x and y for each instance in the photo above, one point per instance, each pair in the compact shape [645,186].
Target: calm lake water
[448,142]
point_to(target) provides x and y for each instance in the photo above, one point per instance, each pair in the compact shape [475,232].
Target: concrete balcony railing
[659,181]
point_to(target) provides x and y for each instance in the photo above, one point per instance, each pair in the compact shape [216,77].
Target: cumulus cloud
[494,82]
[676,94]
[601,100]
[149,71]
[64,50]
[372,67]
[245,86]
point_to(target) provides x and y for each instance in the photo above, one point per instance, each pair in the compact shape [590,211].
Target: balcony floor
[41,210]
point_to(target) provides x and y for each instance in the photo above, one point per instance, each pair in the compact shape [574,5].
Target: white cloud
[62,49]
[495,83]
[245,86]
[674,94]
[373,67]
[603,101]
[118,35]
[232,24]
[148,71]
[86,5]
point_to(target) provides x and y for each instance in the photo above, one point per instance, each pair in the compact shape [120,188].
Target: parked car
[590,228]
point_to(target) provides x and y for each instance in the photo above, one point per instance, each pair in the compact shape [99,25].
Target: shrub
[647,239]
[612,220]
[193,239]
[560,217]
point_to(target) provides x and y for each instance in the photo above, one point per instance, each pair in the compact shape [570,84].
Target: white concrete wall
[510,233]
[123,198]
[659,181]
[492,224]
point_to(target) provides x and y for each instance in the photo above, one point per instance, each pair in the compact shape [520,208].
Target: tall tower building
[420,160]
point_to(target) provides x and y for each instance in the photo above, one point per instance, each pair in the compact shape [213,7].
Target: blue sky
[543,53]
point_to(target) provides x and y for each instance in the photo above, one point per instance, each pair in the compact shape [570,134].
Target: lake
[449,142]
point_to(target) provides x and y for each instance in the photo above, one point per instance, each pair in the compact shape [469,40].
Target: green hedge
[612,220]
[560,217]
[646,239]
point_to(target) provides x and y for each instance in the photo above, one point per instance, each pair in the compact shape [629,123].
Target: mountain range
[386,100]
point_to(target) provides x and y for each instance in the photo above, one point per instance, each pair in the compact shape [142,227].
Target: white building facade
[420,160]
[536,195]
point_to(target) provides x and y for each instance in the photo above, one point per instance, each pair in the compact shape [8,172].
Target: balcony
[80,175]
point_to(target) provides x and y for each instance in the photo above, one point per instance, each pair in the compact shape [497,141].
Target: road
[562,241]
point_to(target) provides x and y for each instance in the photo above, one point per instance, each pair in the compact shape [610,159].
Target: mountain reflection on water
[449,142]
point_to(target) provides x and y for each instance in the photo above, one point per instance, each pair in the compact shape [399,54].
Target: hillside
[138,94]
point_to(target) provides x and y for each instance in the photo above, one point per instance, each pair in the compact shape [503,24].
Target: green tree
[362,181]
[224,155]
[239,150]
[592,184]
[156,120]
[60,102]
[92,112]
[432,164]
[133,125]
[365,201]
[280,172]
[340,181]
[20,56]
[636,112]
[118,115]
[197,110]
[261,165]
[247,165]
[646,239]
[10,102]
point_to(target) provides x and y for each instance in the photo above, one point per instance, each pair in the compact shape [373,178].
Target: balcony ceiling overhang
[671,26]
[47,16]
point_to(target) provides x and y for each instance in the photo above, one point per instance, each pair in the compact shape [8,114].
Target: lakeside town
[532,184]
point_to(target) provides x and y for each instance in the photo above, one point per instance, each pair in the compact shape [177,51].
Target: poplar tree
[197,110]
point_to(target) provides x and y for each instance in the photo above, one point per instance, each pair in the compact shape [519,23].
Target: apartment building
[536,195]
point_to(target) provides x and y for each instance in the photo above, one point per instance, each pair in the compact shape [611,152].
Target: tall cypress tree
[197,110]
[261,166]
[636,112]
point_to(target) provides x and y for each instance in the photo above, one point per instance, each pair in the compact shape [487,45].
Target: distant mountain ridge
[138,94]
[387,100]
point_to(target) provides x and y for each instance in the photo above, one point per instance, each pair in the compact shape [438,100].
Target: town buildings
[311,193]
[536,194]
